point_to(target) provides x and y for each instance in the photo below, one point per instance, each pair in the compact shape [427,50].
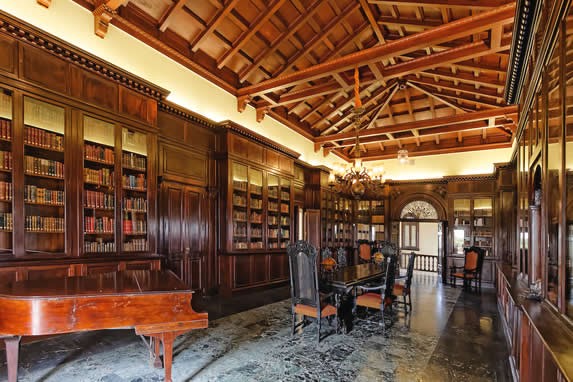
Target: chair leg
[293,322]
[318,337]
[405,304]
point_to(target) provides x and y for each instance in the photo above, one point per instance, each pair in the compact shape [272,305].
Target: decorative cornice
[465,178]
[31,35]
[190,116]
[232,126]
[415,181]
[526,16]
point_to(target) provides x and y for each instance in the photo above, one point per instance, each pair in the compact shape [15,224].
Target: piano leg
[12,347]
[167,339]
[157,353]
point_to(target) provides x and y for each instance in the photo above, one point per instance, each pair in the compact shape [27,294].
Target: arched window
[418,210]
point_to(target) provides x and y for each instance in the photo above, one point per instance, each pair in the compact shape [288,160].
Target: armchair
[471,270]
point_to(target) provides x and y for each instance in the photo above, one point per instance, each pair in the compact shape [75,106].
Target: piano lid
[122,282]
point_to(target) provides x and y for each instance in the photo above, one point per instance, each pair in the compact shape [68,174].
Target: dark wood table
[342,281]
[155,303]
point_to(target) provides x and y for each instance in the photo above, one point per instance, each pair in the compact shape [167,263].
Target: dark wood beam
[464,88]
[481,4]
[427,123]
[446,32]
[166,18]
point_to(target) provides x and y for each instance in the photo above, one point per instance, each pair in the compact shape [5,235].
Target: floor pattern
[256,345]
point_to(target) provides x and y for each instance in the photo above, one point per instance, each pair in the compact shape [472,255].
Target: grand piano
[155,303]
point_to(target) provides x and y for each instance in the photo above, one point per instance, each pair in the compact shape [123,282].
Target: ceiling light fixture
[357,180]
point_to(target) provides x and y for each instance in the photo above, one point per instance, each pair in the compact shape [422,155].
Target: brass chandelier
[356,180]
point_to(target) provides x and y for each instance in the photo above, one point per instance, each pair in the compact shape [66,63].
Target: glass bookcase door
[285,212]
[44,186]
[462,225]
[99,189]
[134,191]
[255,209]
[239,176]
[6,191]
[273,211]
[483,224]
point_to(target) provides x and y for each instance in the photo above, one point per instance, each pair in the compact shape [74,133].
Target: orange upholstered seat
[307,310]
[369,300]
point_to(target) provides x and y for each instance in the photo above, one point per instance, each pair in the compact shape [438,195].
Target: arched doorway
[421,229]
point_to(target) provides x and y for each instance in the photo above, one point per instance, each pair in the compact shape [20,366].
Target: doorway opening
[421,231]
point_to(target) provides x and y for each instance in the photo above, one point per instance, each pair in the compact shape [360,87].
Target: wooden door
[183,232]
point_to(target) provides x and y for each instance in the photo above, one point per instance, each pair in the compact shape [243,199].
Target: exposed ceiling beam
[464,88]
[475,116]
[213,24]
[103,14]
[482,4]
[253,28]
[166,18]
[446,32]
[437,97]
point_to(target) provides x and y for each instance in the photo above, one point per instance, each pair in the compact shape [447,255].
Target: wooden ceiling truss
[432,73]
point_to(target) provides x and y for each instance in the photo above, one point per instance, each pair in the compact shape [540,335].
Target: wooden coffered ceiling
[432,73]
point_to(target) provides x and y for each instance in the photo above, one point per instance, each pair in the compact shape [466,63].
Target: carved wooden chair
[381,296]
[327,262]
[471,270]
[364,251]
[341,257]
[306,298]
[404,289]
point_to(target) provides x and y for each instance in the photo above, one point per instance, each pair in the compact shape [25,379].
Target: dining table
[342,281]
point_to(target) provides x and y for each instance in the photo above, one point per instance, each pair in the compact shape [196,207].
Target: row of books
[240,185]
[131,226]
[98,246]
[103,176]
[44,223]
[5,160]
[100,224]
[34,194]
[5,191]
[134,161]
[239,215]
[135,204]
[5,129]
[6,222]
[41,166]
[98,153]
[135,245]
[42,138]
[97,199]
[134,181]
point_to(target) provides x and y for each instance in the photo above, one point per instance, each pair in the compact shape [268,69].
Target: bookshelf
[6,188]
[99,189]
[473,224]
[44,177]
[134,191]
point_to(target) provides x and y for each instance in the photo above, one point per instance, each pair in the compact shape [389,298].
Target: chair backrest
[390,275]
[303,274]
[365,252]
[325,253]
[473,260]
[341,257]
[410,270]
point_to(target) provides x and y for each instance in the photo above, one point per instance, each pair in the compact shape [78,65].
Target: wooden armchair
[471,270]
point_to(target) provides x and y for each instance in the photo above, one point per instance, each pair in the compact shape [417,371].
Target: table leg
[339,318]
[12,347]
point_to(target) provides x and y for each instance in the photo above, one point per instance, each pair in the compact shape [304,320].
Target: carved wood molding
[28,34]
[45,3]
[188,115]
[466,178]
[232,126]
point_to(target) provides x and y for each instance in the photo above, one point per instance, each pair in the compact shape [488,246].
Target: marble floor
[450,336]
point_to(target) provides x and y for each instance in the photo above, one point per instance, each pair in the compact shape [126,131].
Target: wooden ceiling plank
[253,28]
[312,91]
[447,32]
[468,89]
[482,4]
[374,25]
[213,24]
[438,73]
[405,22]
[383,106]
[313,42]
[436,97]
[292,29]
[476,101]
[166,18]
[427,123]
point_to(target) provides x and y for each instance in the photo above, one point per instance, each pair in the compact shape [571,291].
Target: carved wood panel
[137,106]
[94,89]
[44,69]
[8,55]
[183,165]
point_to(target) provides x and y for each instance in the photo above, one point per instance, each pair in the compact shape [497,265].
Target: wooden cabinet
[472,224]
[6,165]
